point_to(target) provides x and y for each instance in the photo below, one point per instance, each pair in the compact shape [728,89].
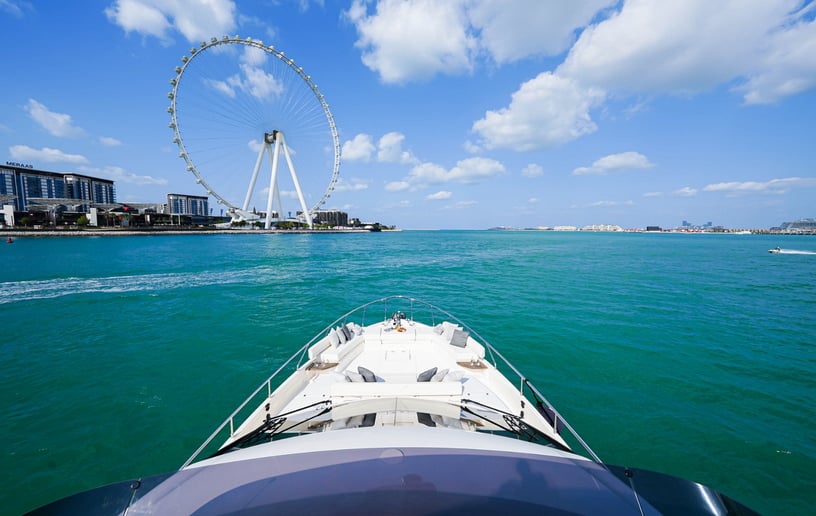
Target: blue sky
[455,114]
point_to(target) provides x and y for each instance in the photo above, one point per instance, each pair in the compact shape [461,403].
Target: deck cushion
[459,338]
[368,376]
[440,375]
[425,376]
[354,377]
[334,340]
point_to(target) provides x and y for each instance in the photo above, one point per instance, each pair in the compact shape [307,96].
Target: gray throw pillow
[334,340]
[459,338]
[438,377]
[368,376]
[351,376]
[425,376]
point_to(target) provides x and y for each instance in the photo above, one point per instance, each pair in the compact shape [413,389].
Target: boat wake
[17,291]
[794,251]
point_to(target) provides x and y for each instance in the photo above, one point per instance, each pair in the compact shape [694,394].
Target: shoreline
[37,233]
[43,233]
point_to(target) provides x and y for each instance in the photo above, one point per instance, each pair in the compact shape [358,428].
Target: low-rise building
[335,218]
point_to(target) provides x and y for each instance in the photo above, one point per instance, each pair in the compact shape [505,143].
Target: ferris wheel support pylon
[306,212]
[273,193]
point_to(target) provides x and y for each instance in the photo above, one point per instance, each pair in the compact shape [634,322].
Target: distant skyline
[455,114]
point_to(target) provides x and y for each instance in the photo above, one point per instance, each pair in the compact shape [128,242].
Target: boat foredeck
[396,373]
[412,361]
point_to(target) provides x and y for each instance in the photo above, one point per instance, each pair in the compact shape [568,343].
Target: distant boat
[776,250]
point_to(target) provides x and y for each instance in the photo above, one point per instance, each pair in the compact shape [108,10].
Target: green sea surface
[691,355]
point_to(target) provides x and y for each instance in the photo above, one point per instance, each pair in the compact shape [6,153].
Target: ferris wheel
[235,101]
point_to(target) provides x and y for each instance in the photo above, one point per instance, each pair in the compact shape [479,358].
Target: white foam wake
[17,291]
[795,251]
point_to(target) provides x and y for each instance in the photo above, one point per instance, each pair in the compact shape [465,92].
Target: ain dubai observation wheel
[236,100]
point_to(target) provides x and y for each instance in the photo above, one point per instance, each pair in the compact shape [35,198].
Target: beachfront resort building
[29,196]
[193,205]
[39,198]
[335,218]
[26,188]
[799,226]
[41,194]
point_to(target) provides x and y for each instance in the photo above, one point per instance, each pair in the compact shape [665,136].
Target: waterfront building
[602,227]
[27,188]
[801,225]
[331,217]
[38,198]
[182,204]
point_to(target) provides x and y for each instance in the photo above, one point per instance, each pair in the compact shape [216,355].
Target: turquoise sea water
[687,354]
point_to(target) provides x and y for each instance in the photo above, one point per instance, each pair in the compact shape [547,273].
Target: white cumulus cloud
[196,20]
[121,175]
[546,111]
[610,204]
[353,185]
[259,83]
[773,186]
[690,46]
[109,141]
[440,195]
[532,170]
[686,191]
[787,67]
[407,40]
[359,148]
[390,149]
[622,161]
[468,171]
[46,155]
[397,186]
[510,31]
[254,56]
[412,39]
[58,124]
